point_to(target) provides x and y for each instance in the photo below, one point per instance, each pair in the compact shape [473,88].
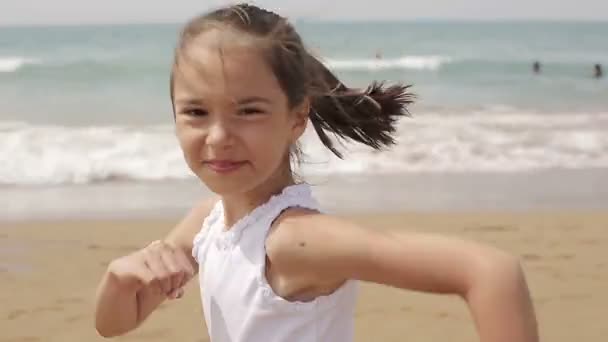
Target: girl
[272,267]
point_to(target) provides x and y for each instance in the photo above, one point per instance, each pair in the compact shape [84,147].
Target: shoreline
[549,190]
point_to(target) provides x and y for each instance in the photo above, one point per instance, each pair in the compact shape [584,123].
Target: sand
[49,272]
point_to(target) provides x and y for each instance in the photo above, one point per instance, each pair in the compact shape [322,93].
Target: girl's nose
[219,134]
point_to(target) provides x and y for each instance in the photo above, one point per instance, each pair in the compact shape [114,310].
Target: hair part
[367,116]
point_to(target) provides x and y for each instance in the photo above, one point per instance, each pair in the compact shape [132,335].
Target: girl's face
[233,121]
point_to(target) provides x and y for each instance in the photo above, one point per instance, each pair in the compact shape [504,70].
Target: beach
[49,272]
[92,169]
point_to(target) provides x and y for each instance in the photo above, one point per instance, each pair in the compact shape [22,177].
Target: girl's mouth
[224,166]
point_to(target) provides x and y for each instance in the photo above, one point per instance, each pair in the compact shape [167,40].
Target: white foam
[12,64]
[478,142]
[59,155]
[406,62]
[431,142]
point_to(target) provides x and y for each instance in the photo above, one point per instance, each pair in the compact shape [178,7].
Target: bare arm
[491,281]
[130,291]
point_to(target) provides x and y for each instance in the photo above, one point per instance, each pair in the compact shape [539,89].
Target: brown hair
[367,116]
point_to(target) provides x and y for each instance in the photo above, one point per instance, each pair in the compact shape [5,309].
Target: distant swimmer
[378,54]
[598,73]
[536,67]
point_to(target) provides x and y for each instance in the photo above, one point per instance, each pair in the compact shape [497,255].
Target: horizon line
[295,20]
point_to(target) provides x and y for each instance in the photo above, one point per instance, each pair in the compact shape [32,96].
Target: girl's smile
[224,166]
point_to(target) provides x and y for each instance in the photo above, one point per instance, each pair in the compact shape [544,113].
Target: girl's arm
[491,281]
[130,289]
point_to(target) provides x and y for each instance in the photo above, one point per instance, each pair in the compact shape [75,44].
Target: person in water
[272,265]
[536,67]
[597,71]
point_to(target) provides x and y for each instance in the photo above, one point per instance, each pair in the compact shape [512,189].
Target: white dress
[238,303]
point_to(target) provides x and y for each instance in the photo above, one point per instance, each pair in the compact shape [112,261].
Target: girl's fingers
[189,272]
[176,294]
[145,276]
[172,264]
[180,293]
[170,267]
[154,262]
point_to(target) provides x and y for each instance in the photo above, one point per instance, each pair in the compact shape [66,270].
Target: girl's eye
[195,112]
[251,111]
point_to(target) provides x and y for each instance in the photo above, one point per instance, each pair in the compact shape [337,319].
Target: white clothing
[238,303]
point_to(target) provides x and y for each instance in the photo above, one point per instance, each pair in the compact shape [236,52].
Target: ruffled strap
[297,195]
[200,238]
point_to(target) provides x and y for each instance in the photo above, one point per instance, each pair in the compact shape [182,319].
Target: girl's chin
[227,185]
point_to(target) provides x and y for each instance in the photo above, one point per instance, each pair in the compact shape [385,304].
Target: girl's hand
[158,267]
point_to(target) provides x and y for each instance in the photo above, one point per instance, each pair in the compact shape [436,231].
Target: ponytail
[366,116]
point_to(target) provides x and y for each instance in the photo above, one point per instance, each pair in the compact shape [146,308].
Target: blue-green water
[121,72]
[91,103]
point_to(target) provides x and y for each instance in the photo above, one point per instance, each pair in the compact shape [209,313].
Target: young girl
[272,266]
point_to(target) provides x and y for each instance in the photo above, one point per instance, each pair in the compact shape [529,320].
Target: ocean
[89,105]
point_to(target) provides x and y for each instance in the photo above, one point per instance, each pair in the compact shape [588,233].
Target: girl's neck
[237,206]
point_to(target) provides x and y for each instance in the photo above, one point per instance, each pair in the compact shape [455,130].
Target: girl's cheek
[190,142]
[194,145]
[188,135]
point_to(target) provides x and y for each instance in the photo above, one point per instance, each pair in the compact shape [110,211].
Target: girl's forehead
[229,70]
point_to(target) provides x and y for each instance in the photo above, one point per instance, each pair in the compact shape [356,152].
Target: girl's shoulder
[299,225]
[302,239]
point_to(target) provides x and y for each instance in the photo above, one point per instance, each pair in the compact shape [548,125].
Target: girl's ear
[300,114]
